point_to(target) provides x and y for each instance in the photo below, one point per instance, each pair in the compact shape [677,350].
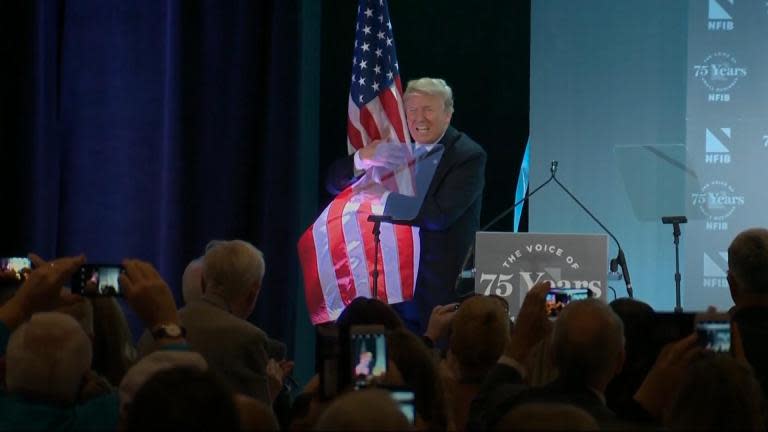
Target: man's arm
[379,153]
[460,187]
[41,291]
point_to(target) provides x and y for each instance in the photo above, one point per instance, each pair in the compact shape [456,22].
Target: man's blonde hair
[433,87]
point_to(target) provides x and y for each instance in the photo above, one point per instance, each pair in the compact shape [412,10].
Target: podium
[509,264]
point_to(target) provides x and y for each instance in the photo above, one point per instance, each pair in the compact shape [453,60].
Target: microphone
[622,262]
[553,167]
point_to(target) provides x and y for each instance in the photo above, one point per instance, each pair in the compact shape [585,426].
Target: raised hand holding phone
[42,290]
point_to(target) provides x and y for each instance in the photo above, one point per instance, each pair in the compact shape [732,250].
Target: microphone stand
[377,220]
[467,274]
[676,221]
[619,261]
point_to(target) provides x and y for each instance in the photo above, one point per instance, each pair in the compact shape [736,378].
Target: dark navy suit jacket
[448,218]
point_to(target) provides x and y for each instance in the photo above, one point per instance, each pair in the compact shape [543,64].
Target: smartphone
[367,353]
[18,267]
[714,331]
[557,298]
[405,398]
[97,280]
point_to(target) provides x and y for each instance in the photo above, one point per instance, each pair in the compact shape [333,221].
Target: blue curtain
[146,128]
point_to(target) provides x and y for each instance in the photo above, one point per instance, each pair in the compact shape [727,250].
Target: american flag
[337,251]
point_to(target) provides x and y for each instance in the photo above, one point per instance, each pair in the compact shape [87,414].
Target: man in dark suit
[450,213]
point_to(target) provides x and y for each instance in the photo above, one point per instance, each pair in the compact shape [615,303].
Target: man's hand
[383,153]
[664,379]
[440,321]
[42,290]
[276,373]
[371,192]
[148,294]
[532,324]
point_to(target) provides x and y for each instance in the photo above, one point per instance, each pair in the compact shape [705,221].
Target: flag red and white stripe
[337,251]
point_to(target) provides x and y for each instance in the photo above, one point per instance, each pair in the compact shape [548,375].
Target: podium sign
[509,264]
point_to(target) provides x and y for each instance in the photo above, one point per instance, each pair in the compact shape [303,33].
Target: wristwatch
[172,331]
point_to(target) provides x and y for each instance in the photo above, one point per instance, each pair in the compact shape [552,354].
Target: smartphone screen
[16,267]
[405,399]
[368,353]
[97,280]
[715,335]
[557,298]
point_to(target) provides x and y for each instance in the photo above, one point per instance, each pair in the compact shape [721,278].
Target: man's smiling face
[427,117]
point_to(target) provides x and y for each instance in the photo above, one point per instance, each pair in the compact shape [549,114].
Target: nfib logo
[720,15]
[716,149]
[715,270]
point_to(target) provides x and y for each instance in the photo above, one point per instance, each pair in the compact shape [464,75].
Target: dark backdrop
[146,128]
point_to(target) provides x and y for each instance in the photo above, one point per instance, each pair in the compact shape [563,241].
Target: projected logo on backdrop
[717,143]
[715,270]
[717,201]
[720,15]
[719,72]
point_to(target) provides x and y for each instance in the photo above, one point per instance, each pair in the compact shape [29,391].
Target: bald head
[47,357]
[748,262]
[372,409]
[588,342]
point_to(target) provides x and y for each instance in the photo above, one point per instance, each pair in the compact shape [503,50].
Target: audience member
[748,282]
[93,384]
[217,324]
[641,351]
[255,415]
[363,410]
[182,398]
[113,349]
[412,366]
[148,366]
[368,311]
[48,356]
[539,366]
[479,333]
[547,417]
[506,379]
[588,349]
[717,393]
[192,281]
[439,325]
